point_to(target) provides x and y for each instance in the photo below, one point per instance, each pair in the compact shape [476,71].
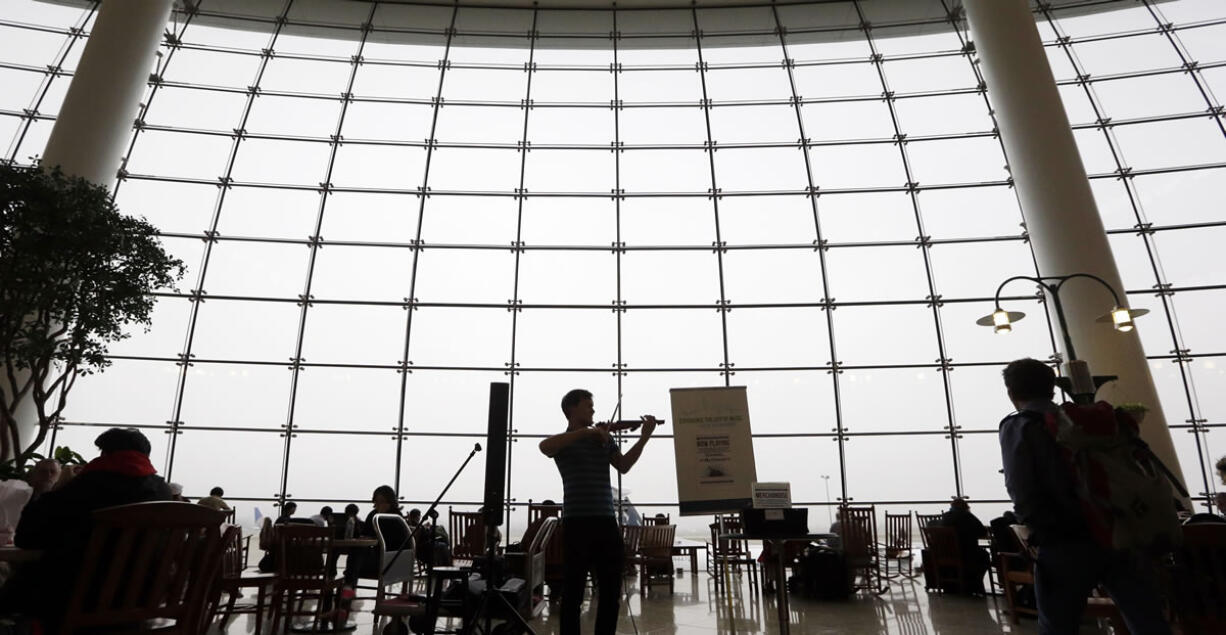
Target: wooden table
[683,547]
[779,546]
[17,554]
[354,543]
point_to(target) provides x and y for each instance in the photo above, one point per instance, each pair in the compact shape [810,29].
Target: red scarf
[126,462]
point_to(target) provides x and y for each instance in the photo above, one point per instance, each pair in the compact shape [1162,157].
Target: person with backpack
[1053,499]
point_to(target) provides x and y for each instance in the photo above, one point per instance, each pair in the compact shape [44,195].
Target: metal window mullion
[820,248]
[719,240]
[1190,66]
[52,73]
[411,300]
[1124,174]
[514,306]
[619,369]
[313,247]
[922,244]
[176,408]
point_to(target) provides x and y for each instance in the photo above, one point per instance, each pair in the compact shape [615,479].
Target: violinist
[591,538]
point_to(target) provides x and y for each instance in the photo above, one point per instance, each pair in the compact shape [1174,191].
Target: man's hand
[602,432]
[649,425]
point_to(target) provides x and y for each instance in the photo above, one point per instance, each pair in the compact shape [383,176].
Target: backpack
[1123,489]
[822,574]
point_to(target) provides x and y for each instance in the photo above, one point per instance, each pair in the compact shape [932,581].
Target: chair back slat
[131,550]
[467,533]
[897,534]
[725,547]
[304,550]
[922,521]
[943,544]
[232,558]
[656,541]
[537,511]
[122,550]
[858,529]
[658,519]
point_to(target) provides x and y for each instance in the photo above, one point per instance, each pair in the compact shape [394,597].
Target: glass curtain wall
[384,207]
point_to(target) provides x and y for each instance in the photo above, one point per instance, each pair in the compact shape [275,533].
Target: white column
[1066,231]
[95,122]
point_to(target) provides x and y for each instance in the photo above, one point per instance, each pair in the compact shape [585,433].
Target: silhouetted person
[1042,485]
[591,538]
[60,521]
[970,529]
[214,500]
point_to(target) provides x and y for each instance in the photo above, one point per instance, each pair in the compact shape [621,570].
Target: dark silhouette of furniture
[467,532]
[944,569]
[234,579]
[302,573]
[148,561]
[898,544]
[654,556]
[922,521]
[858,529]
[1198,580]
[728,555]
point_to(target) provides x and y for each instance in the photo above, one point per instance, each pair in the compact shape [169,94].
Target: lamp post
[1077,381]
[829,518]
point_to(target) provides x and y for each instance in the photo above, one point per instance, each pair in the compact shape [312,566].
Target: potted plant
[75,276]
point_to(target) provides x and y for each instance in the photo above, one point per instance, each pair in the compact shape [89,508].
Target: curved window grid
[408,217]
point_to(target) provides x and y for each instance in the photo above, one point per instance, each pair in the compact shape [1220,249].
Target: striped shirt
[584,466]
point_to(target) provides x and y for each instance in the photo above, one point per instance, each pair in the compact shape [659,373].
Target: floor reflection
[695,607]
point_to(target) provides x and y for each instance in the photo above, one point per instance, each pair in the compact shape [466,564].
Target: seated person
[43,477]
[214,500]
[433,543]
[363,562]
[60,521]
[324,517]
[975,559]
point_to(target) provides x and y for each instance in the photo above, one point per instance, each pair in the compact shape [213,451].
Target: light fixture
[1001,320]
[1121,317]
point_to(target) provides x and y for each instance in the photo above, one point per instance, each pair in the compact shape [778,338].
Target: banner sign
[713,447]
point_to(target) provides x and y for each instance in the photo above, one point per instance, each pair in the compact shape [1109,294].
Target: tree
[75,276]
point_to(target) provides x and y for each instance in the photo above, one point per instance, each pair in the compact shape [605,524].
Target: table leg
[693,560]
[781,587]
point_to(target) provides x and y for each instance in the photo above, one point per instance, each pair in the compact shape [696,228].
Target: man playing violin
[591,538]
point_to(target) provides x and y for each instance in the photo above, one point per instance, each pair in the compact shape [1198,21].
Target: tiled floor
[694,607]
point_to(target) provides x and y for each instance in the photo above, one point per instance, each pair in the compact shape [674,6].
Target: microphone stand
[428,517]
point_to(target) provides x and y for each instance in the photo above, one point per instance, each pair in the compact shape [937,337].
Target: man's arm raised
[623,462]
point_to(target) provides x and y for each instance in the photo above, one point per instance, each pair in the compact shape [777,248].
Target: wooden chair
[537,511]
[467,533]
[530,564]
[922,521]
[1198,580]
[632,536]
[658,519]
[302,573]
[234,580]
[943,566]
[898,543]
[1018,570]
[655,557]
[732,554]
[858,529]
[147,561]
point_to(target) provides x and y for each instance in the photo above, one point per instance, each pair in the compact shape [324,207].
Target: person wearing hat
[60,521]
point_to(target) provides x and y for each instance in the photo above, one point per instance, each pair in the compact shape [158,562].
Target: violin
[626,424]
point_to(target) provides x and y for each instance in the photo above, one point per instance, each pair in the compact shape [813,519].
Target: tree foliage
[75,276]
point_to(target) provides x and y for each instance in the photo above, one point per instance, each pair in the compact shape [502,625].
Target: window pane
[482,124]
[994,261]
[460,337]
[876,273]
[362,273]
[692,277]
[761,170]
[106,398]
[252,459]
[539,343]
[763,338]
[268,213]
[668,221]
[178,154]
[868,335]
[171,207]
[308,452]
[236,396]
[756,276]
[285,162]
[344,334]
[676,338]
[270,330]
[851,218]
[916,400]
[761,220]
[282,269]
[966,341]
[349,399]
[931,476]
